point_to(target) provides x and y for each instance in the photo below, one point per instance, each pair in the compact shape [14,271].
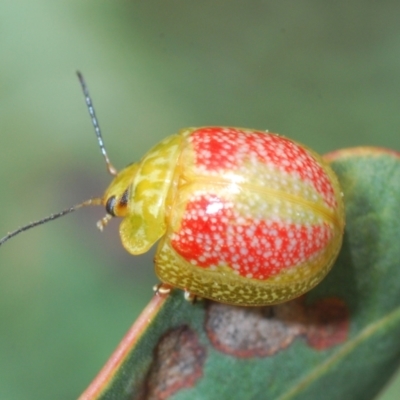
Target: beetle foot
[162,289]
[192,298]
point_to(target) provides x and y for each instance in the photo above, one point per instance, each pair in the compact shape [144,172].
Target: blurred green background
[324,73]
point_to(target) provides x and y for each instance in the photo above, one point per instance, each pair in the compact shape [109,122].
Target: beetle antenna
[51,217]
[111,169]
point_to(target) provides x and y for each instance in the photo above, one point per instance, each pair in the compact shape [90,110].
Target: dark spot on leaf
[328,323]
[177,364]
[263,331]
[256,331]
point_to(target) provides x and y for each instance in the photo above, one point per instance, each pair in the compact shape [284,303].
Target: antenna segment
[111,169]
[91,202]
[51,217]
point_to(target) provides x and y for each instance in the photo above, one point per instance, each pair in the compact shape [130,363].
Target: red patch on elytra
[212,233]
[226,149]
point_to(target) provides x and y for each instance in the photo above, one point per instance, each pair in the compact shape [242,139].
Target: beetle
[242,216]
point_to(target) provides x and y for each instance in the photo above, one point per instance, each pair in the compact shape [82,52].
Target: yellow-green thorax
[138,194]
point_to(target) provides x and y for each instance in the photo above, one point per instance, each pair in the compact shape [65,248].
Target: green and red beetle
[243,217]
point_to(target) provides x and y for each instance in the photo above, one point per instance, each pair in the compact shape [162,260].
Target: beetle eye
[110,205]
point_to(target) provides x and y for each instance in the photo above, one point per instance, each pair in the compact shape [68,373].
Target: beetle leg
[192,298]
[103,222]
[162,289]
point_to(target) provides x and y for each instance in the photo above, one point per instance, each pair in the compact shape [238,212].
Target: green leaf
[340,341]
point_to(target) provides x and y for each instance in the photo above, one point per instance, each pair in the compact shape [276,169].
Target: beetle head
[117,195]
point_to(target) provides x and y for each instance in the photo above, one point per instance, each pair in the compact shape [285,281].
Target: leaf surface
[339,341]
